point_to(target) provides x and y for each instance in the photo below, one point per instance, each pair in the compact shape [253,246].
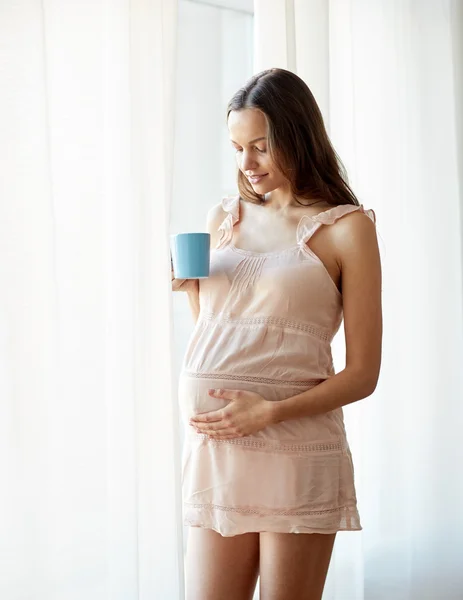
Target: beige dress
[266,324]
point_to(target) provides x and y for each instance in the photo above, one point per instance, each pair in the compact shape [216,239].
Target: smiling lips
[257,178]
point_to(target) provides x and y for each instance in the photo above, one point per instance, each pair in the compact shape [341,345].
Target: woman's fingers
[178,284]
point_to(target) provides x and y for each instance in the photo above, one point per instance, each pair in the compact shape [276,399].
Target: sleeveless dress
[266,324]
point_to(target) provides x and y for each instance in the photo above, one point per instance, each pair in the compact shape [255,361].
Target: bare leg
[221,568]
[294,565]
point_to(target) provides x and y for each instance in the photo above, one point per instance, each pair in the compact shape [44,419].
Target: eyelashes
[258,150]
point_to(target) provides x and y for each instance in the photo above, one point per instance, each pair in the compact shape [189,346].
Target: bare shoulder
[353,234]
[215,217]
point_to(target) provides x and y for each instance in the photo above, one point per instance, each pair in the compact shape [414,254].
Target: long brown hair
[297,139]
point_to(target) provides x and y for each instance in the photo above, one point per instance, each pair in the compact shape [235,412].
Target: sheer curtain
[90,501]
[388,77]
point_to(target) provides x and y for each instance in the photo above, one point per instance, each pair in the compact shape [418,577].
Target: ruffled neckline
[231,205]
[330,216]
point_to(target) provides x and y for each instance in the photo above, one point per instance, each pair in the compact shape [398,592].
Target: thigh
[221,568]
[294,565]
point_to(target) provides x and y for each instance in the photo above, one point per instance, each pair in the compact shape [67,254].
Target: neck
[283,199]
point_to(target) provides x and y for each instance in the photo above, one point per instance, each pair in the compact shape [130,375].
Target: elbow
[370,388]
[369,385]
[366,381]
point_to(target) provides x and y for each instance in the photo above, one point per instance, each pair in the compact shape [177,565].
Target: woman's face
[248,135]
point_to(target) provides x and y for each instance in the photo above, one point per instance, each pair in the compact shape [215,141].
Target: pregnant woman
[268,478]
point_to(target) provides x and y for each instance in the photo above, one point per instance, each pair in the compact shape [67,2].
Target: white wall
[214,60]
[237,5]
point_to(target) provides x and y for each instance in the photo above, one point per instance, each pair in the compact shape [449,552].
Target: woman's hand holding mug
[182,285]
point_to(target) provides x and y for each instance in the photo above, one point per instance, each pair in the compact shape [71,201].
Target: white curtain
[388,77]
[90,498]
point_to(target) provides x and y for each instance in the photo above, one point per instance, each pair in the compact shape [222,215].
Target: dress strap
[231,205]
[308,225]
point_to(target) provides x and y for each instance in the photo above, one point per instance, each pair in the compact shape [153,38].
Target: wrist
[192,288]
[274,412]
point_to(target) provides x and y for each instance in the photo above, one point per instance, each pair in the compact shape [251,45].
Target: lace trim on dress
[264,511]
[277,321]
[274,446]
[308,383]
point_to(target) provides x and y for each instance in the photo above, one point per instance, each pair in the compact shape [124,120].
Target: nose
[248,162]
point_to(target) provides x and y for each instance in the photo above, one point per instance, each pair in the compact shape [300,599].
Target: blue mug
[191,255]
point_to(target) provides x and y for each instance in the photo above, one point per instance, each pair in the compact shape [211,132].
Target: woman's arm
[191,287]
[215,217]
[360,260]
[193,299]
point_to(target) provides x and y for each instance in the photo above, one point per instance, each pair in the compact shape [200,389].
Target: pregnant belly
[194,393]
[194,399]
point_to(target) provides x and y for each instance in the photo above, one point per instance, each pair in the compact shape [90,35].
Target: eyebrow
[252,141]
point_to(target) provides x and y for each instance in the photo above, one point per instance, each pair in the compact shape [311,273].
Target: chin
[263,188]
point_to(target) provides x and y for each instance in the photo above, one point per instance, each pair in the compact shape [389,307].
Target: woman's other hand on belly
[245,413]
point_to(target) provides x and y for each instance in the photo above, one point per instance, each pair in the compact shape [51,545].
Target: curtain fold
[160,530]
[90,503]
[387,74]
